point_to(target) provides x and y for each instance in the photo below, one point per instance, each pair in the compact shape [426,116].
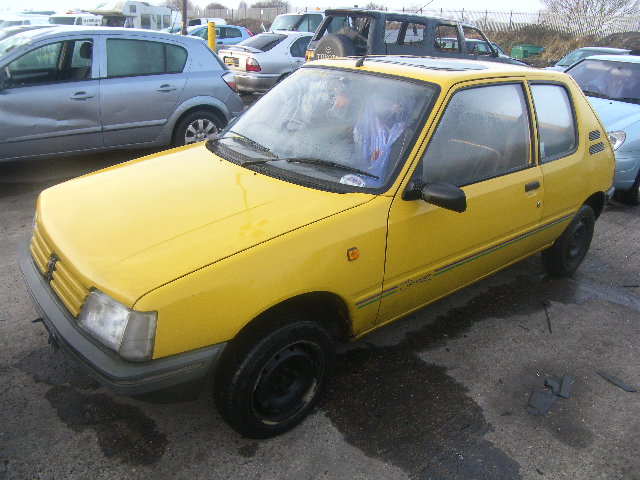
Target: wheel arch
[197,108]
[596,202]
[327,308]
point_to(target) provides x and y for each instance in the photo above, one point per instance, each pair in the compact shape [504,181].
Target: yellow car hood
[132,228]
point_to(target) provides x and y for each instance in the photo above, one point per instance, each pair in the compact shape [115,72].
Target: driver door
[482,145]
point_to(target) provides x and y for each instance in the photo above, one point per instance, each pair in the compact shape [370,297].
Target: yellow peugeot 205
[353,193]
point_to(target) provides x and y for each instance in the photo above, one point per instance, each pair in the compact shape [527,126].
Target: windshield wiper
[311,161]
[244,139]
[595,94]
[317,161]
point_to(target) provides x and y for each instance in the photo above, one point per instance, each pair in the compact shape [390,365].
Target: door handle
[532,186]
[166,88]
[80,96]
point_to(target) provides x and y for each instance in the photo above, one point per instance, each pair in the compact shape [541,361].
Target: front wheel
[274,377]
[568,251]
[196,127]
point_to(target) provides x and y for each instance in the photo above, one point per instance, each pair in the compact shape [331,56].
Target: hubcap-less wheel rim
[200,130]
[288,382]
[576,244]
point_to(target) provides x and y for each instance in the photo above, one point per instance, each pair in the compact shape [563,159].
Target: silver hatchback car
[67,90]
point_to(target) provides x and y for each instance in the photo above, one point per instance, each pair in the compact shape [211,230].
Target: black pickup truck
[354,32]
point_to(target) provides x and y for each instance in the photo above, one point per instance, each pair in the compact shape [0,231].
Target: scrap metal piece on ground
[540,402]
[565,388]
[559,385]
[617,382]
[554,383]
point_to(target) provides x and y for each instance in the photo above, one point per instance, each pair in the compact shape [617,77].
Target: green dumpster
[524,50]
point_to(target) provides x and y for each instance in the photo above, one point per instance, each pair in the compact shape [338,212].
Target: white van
[76,19]
[17,19]
[204,21]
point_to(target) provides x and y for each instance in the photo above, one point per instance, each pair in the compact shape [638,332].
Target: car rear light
[252,65]
[249,32]
[230,78]
[309,55]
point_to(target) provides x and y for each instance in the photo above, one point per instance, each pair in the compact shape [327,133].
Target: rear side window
[231,33]
[264,41]
[483,133]
[446,39]
[556,126]
[299,47]
[142,57]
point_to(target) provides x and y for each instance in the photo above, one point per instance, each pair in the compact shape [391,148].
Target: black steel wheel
[569,250]
[273,376]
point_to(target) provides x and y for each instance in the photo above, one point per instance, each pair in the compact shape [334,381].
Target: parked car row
[73,89]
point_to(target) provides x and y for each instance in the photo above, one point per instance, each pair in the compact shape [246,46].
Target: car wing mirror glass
[441,194]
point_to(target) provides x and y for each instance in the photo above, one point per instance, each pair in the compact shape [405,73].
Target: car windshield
[286,22]
[327,127]
[14,41]
[608,79]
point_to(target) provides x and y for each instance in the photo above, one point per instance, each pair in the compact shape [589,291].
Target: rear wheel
[274,376]
[568,251]
[632,196]
[198,126]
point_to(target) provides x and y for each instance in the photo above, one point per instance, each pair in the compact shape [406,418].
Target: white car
[264,59]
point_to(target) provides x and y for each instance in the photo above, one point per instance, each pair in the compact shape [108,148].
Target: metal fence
[488,20]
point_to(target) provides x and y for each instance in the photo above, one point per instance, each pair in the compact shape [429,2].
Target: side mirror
[441,194]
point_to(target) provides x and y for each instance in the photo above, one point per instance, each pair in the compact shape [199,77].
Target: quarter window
[483,133]
[556,127]
[140,57]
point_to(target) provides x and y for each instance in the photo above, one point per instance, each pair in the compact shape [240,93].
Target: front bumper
[107,368]
[258,83]
[627,166]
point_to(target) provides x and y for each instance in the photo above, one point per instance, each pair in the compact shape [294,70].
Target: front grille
[594,135]
[596,148]
[69,289]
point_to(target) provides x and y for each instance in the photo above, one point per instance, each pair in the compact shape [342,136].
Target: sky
[60,6]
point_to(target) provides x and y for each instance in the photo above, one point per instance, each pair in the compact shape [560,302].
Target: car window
[392,32]
[54,62]
[475,42]
[299,47]
[556,125]
[608,79]
[414,35]
[264,41]
[483,133]
[332,127]
[232,33]
[141,57]
[313,22]
[446,39]
[286,22]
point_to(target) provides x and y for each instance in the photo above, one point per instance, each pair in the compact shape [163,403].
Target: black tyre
[568,251]
[274,376]
[632,196]
[334,45]
[197,126]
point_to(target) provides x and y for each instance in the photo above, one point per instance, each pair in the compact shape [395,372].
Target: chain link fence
[494,21]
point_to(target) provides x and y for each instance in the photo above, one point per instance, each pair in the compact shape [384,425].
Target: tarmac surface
[441,394]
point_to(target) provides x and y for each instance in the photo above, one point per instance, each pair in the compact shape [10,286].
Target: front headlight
[617,139]
[128,332]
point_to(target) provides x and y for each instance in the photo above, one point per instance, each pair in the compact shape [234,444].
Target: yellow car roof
[438,70]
